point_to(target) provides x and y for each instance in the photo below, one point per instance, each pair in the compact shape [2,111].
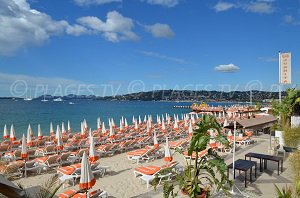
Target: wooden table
[243,165]
[263,159]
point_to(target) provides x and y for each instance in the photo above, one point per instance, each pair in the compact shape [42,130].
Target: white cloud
[260,7]
[289,19]
[223,6]
[22,26]
[230,68]
[77,30]
[160,30]
[163,57]
[94,2]
[167,3]
[114,29]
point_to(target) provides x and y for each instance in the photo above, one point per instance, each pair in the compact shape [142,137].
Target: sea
[20,113]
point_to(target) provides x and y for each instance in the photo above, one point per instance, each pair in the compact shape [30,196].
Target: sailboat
[58,99]
[44,100]
[28,99]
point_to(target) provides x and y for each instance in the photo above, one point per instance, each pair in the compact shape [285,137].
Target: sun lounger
[31,166]
[73,172]
[63,158]
[47,150]
[78,194]
[200,154]
[77,155]
[148,173]
[12,156]
[48,162]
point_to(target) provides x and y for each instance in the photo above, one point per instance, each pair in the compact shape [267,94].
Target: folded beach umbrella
[60,145]
[193,119]
[155,142]
[169,121]
[158,120]
[126,124]
[175,125]
[12,133]
[136,127]
[190,129]
[51,129]
[145,119]
[103,129]
[163,126]
[133,120]
[150,123]
[168,156]
[148,131]
[112,123]
[111,132]
[185,124]
[57,132]
[140,120]
[24,148]
[92,153]
[29,140]
[121,126]
[98,124]
[122,120]
[40,135]
[63,130]
[87,180]
[69,127]
[197,117]
[5,132]
[85,125]
[29,130]
[82,132]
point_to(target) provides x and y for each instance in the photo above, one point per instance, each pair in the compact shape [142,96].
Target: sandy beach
[122,183]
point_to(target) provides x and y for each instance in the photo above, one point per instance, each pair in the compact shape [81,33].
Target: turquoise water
[21,113]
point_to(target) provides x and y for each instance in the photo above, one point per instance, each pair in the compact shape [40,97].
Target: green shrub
[291,136]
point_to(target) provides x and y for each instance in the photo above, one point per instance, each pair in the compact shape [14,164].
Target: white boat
[44,100]
[28,99]
[58,100]
[71,103]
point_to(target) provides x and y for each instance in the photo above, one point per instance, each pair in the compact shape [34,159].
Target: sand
[122,183]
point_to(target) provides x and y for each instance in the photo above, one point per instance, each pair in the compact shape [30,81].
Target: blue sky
[109,47]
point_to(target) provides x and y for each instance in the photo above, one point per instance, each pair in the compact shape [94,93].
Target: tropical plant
[204,173]
[289,106]
[258,106]
[286,192]
[47,189]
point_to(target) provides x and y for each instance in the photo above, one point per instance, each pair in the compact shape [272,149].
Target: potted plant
[205,173]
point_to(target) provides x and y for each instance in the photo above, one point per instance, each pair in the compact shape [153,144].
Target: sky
[112,47]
